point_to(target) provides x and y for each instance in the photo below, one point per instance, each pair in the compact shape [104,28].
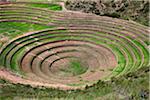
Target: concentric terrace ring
[79,50]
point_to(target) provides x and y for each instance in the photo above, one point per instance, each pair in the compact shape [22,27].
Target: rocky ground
[136,10]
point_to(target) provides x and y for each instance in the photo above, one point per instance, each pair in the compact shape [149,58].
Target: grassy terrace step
[75,68]
[56,47]
[139,26]
[13,9]
[143,49]
[26,37]
[19,11]
[102,24]
[10,46]
[13,29]
[120,36]
[39,64]
[113,21]
[24,10]
[65,49]
[137,49]
[28,15]
[24,17]
[126,26]
[54,7]
[61,52]
[122,23]
[27,21]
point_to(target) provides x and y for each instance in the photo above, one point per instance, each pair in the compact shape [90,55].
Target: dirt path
[63,6]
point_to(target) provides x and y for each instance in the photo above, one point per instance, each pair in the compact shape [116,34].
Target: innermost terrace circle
[68,67]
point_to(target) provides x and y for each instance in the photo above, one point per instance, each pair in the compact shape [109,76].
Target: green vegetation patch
[75,68]
[13,29]
[54,7]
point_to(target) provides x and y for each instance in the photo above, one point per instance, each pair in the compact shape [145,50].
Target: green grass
[145,52]
[75,68]
[15,60]
[14,29]
[54,7]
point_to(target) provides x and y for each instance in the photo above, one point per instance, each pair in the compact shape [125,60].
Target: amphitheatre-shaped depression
[81,48]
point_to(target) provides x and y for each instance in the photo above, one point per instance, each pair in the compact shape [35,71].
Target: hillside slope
[136,10]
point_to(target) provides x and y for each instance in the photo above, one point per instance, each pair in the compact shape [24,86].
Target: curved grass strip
[54,7]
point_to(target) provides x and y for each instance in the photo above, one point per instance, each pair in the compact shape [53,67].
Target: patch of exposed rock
[136,10]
